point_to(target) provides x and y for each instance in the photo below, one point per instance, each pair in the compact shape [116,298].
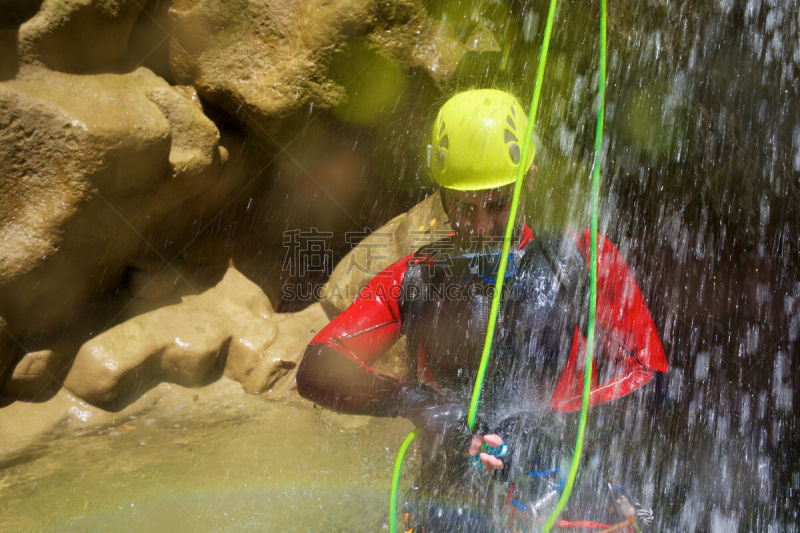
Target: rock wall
[265,60]
[79,35]
[129,128]
[90,165]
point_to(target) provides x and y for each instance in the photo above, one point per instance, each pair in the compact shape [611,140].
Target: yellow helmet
[477,140]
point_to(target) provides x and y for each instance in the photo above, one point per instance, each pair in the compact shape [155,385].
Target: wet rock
[38,374]
[92,169]
[278,364]
[421,225]
[149,42]
[187,344]
[195,140]
[231,326]
[79,35]
[24,423]
[289,46]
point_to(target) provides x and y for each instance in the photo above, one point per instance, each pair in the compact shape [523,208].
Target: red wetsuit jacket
[336,370]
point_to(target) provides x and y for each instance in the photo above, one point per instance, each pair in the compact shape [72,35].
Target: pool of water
[253,465]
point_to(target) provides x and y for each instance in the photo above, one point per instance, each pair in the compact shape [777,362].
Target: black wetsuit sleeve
[331,380]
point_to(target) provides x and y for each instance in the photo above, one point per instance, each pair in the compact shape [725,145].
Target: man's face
[478,217]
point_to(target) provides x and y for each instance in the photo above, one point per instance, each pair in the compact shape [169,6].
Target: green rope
[398,465]
[502,269]
[587,376]
[512,217]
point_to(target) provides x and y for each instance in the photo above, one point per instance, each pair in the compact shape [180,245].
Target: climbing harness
[566,489]
[555,483]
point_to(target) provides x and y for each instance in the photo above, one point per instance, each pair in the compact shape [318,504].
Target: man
[439,298]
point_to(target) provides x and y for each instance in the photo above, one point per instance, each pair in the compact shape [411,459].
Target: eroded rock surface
[102,170]
[262,61]
[39,373]
[209,348]
[91,168]
[229,328]
[273,369]
[79,35]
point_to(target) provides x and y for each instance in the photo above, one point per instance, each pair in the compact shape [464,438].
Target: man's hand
[489,462]
[437,415]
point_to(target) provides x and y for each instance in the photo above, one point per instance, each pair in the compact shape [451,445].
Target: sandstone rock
[79,35]
[231,325]
[288,48]
[278,365]
[39,373]
[23,423]
[187,344]
[89,166]
[195,140]
[421,225]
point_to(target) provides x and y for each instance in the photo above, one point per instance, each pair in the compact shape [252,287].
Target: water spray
[595,199]
[595,194]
